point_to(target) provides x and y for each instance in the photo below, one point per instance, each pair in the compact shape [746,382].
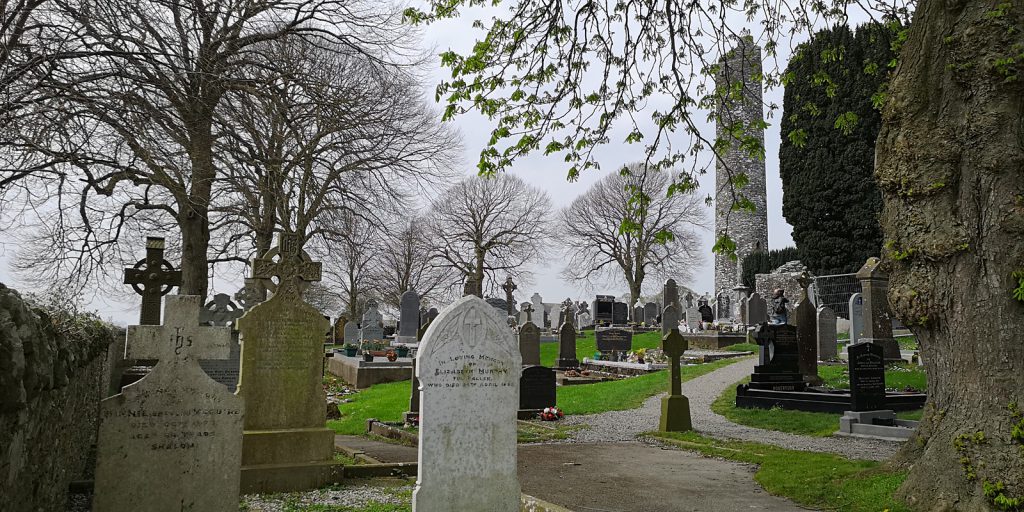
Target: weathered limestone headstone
[669,319]
[538,309]
[409,314]
[807,333]
[509,288]
[351,333]
[372,324]
[152,277]
[567,347]
[742,292]
[249,295]
[856,317]
[757,309]
[468,361]
[173,440]
[651,313]
[723,307]
[689,300]
[692,319]
[281,377]
[670,294]
[220,312]
[874,285]
[827,334]
[529,344]
[675,408]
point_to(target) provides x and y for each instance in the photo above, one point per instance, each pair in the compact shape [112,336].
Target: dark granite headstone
[537,388]
[620,313]
[651,312]
[867,376]
[604,309]
[529,343]
[614,340]
[706,313]
[780,359]
[567,347]
[638,314]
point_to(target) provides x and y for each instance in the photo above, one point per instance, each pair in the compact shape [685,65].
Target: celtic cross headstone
[152,277]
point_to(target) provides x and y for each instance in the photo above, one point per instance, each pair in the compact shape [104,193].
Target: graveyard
[319,256]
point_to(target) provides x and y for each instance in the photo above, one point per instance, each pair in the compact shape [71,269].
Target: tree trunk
[479,274]
[194,214]
[950,164]
[634,295]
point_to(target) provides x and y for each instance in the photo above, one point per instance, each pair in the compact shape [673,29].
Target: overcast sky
[549,173]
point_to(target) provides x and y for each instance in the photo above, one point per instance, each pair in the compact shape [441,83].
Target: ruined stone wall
[54,370]
[748,229]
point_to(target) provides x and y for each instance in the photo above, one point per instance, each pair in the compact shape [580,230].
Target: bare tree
[661,240]
[484,229]
[143,101]
[349,263]
[404,263]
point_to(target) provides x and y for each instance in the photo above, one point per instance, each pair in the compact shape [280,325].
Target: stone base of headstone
[567,363]
[675,414]
[876,425]
[404,340]
[299,445]
[777,381]
[274,478]
[890,348]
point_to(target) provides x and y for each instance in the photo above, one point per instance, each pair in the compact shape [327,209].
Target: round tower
[740,114]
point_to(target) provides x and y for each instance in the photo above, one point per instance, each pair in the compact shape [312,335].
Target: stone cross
[568,312]
[510,287]
[249,295]
[220,311]
[294,269]
[527,308]
[675,408]
[152,277]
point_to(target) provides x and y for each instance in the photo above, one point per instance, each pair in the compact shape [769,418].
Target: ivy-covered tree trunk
[950,165]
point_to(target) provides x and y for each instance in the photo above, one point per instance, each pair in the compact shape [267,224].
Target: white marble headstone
[856,317]
[468,369]
[173,440]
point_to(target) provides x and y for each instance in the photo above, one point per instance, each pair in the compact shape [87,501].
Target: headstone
[469,369]
[826,334]
[614,340]
[856,317]
[152,277]
[723,311]
[675,408]
[670,294]
[706,313]
[371,328]
[431,315]
[693,318]
[669,319]
[651,313]
[779,362]
[620,313]
[529,344]
[867,376]
[806,316]
[498,304]
[222,312]
[510,287]
[740,311]
[757,309]
[537,388]
[409,313]
[874,285]
[414,397]
[351,333]
[282,371]
[538,310]
[638,314]
[568,313]
[473,286]
[567,347]
[173,440]
[249,295]
[689,300]
[604,309]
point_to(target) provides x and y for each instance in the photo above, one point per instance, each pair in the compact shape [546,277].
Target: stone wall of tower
[748,229]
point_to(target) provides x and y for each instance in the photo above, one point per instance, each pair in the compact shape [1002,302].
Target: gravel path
[618,426]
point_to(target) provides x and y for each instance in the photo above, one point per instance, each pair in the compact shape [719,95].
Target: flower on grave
[551,414]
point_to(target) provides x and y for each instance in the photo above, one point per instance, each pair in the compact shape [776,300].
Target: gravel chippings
[618,426]
[354,496]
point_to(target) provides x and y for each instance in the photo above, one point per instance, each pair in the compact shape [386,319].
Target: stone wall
[749,230]
[54,370]
[784,277]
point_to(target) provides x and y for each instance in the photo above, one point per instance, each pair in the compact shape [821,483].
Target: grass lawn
[743,347]
[387,402]
[817,424]
[586,346]
[816,480]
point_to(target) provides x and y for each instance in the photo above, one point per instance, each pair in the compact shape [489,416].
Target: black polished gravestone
[536,390]
[604,309]
[614,340]
[780,359]
[867,377]
[620,313]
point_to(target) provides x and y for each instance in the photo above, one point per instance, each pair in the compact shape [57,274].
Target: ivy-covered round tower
[740,171]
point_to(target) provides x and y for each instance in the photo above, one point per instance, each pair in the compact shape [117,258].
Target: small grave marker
[675,408]
[529,344]
[867,376]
